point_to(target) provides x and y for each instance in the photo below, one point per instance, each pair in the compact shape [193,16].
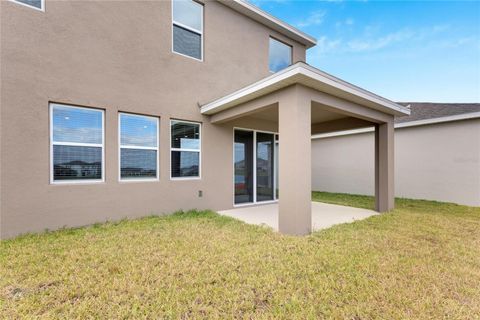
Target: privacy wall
[435,162]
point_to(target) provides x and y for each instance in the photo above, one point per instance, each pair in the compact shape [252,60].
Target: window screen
[76,143]
[185,149]
[138,147]
[187,28]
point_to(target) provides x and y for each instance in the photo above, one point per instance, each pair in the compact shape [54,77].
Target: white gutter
[264,18]
[298,73]
[416,123]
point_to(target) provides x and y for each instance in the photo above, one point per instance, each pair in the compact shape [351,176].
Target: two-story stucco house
[114,109]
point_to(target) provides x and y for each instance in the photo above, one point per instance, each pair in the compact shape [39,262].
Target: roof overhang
[270,21]
[302,73]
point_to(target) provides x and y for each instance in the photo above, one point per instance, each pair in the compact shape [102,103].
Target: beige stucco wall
[436,162]
[116,55]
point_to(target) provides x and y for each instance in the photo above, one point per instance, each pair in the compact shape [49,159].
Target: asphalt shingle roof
[429,110]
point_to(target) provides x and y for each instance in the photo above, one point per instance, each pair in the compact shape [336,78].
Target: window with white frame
[185,149]
[279,55]
[187,18]
[35,4]
[77,139]
[138,147]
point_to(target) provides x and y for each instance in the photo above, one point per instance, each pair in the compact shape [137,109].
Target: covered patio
[302,101]
[324,215]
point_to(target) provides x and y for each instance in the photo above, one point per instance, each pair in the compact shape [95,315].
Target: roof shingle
[429,110]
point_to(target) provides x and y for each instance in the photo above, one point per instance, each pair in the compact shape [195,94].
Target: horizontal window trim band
[186,150]
[183,26]
[138,147]
[133,180]
[186,178]
[83,181]
[77,144]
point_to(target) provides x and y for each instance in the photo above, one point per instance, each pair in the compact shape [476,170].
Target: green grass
[344,199]
[421,261]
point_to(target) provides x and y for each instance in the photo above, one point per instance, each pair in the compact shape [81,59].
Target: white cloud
[407,38]
[314,18]
[381,42]
[260,3]
[349,21]
[403,36]
[459,42]
[325,45]
[346,22]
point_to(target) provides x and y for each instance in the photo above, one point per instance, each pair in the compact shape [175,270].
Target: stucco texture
[117,56]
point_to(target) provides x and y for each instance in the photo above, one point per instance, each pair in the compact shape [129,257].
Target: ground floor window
[185,149]
[255,174]
[138,147]
[76,144]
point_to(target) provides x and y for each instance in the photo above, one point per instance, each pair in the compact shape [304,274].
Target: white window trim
[199,32]
[76,144]
[254,202]
[42,9]
[268,58]
[120,147]
[199,150]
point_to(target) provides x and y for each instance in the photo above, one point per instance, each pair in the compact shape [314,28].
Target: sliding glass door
[254,166]
[265,166]
[243,166]
[275,156]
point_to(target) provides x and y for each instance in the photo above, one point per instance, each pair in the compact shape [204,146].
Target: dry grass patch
[420,261]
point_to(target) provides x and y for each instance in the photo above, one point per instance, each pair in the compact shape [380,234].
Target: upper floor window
[76,137]
[279,56]
[188,28]
[185,149]
[36,4]
[138,147]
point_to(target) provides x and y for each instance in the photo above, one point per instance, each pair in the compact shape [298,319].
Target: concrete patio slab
[324,215]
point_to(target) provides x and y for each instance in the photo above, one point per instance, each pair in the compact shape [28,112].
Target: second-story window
[188,28]
[279,55]
[36,4]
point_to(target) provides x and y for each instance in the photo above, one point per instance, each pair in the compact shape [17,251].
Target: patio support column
[384,170]
[294,205]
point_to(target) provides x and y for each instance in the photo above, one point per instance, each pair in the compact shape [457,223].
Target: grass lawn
[421,261]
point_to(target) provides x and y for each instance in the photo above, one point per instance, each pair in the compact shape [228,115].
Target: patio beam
[294,205]
[245,109]
[384,167]
[340,125]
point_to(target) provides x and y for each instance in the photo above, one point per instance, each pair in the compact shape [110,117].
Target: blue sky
[403,50]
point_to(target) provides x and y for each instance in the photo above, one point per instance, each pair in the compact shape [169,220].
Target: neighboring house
[114,109]
[437,155]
